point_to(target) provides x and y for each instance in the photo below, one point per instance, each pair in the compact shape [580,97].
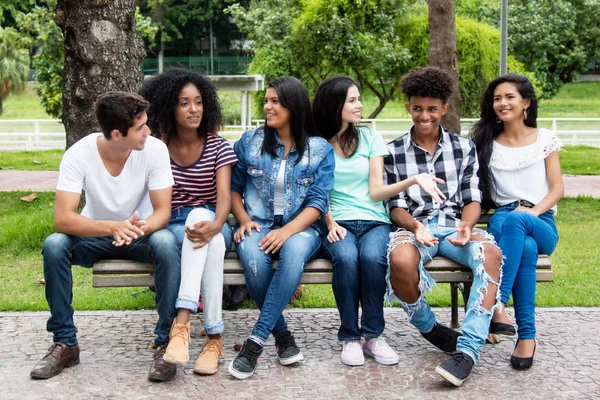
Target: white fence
[50,134]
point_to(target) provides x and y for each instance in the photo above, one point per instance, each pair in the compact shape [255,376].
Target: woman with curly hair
[185,113]
[520,177]
[357,223]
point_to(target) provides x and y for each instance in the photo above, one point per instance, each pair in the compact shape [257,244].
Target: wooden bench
[126,273]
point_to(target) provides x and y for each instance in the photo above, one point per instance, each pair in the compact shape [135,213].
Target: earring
[524,114]
[498,120]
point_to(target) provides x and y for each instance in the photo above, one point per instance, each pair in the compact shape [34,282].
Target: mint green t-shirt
[349,198]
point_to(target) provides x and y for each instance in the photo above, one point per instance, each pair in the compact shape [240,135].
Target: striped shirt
[196,184]
[454,161]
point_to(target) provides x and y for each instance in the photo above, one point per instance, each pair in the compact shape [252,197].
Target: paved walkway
[575,185]
[115,359]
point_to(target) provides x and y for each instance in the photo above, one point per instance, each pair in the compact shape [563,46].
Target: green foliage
[14,58]
[48,60]
[145,28]
[9,9]
[477,46]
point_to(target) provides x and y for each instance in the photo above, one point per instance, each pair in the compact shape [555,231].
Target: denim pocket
[257,175]
[303,184]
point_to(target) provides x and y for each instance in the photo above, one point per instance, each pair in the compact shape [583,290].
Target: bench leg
[454,287]
[466,292]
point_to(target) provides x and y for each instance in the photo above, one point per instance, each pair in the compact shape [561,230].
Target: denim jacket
[307,184]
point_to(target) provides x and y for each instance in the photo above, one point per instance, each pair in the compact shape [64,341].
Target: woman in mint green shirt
[358,225]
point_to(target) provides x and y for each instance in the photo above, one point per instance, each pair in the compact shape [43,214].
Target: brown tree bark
[442,54]
[102,53]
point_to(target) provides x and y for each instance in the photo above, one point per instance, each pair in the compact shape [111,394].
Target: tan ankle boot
[207,362]
[179,344]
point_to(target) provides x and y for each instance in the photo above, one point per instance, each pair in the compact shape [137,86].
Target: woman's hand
[202,232]
[245,228]
[429,184]
[273,240]
[527,210]
[336,232]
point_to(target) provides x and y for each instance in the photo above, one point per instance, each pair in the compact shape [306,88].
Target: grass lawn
[24,227]
[574,160]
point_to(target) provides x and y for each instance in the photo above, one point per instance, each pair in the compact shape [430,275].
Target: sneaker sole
[238,374]
[357,363]
[201,371]
[48,376]
[291,360]
[380,360]
[174,360]
[448,376]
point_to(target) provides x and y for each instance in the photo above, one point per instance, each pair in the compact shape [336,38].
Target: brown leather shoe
[160,370]
[59,356]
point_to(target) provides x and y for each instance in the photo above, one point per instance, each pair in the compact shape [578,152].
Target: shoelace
[380,342]
[250,354]
[351,344]
[285,341]
[213,345]
[54,350]
[180,331]
[458,359]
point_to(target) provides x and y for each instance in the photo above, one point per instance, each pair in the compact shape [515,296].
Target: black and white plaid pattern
[454,161]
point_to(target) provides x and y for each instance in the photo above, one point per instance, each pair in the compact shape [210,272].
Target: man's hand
[273,241]
[423,236]
[336,233]
[463,234]
[245,228]
[127,231]
[202,232]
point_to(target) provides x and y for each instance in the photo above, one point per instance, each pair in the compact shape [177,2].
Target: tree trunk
[442,54]
[102,53]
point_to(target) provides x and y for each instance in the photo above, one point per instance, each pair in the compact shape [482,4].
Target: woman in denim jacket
[280,188]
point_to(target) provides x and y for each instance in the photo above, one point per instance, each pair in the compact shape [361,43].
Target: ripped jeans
[477,319]
[272,290]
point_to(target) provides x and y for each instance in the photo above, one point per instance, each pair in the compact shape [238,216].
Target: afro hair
[162,92]
[427,82]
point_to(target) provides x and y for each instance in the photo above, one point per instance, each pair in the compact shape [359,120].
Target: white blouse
[520,172]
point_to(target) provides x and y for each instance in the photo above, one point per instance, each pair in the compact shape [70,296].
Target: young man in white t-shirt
[127,180]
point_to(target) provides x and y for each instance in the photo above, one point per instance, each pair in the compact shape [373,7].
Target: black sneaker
[442,337]
[244,365]
[287,351]
[456,369]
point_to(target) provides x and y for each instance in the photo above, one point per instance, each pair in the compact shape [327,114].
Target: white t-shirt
[279,190]
[115,197]
[520,172]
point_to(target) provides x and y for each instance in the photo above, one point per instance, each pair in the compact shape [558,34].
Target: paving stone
[115,357]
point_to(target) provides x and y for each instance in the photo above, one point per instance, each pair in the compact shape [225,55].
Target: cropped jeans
[60,251]
[201,268]
[272,290]
[359,268]
[521,237]
[477,319]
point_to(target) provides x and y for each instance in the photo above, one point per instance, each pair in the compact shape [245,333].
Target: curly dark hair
[488,128]
[427,82]
[162,92]
[327,106]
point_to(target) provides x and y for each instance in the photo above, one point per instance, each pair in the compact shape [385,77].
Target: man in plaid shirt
[428,228]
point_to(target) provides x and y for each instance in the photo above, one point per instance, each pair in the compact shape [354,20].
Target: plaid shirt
[454,161]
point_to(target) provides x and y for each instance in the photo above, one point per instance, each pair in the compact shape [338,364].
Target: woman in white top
[520,176]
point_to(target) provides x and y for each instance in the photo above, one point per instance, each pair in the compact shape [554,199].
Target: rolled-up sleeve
[390,176]
[238,173]
[469,183]
[318,194]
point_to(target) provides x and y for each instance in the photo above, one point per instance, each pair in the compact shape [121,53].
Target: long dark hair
[328,103]
[294,97]
[487,129]
[162,92]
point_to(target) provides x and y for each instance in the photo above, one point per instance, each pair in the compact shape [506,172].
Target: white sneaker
[380,351]
[352,353]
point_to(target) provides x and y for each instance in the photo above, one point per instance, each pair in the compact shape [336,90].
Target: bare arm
[403,219]
[379,192]
[470,216]
[242,217]
[556,187]
[68,221]
[161,204]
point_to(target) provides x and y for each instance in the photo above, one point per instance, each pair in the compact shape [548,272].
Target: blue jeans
[359,268]
[60,251]
[477,319]
[272,290]
[522,236]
